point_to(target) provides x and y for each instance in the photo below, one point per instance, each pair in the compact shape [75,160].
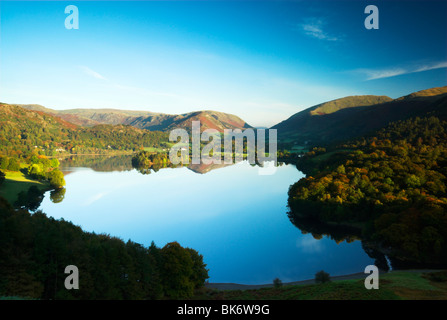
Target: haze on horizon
[262,61]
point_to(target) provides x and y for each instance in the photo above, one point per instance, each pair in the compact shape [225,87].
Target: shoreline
[352,276]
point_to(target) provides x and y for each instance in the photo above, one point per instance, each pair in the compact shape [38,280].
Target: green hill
[347,102]
[354,116]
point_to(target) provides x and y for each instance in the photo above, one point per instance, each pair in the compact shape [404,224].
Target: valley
[345,194]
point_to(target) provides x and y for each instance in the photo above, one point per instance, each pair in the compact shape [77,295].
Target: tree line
[35,249]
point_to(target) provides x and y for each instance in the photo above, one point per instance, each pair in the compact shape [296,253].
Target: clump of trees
[145,161]
[41,168]
[9,163]
[35,249]
[37,167]
[392,183]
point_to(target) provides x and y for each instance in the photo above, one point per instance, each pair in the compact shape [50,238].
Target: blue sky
[263,61]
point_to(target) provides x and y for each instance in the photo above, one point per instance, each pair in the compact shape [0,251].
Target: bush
[440,276]
[322,277]
[277,283]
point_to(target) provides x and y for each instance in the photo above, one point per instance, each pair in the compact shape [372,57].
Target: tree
[176,271]
[54,163]
[56,178]
[199,271]
[35,171]
[13,164]
[322,277]
[4,162]
[277,283]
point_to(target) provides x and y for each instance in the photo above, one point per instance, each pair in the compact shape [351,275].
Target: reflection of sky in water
[233,216]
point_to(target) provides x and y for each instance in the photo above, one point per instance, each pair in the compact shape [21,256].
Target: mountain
[145,119]
[208,120]
[353,116]
[91,117]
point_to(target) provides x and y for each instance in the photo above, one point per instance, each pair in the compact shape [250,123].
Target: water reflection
[57,195]
[32,198]
[339,234]
[235,217]
[99,163]
[29,200]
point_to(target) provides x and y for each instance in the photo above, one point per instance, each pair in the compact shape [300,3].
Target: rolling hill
[354,116]
[145,119]
[331,121]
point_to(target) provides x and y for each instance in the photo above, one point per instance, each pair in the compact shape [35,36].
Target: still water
[236,218]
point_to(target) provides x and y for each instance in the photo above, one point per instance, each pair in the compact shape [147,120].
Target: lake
[233,216]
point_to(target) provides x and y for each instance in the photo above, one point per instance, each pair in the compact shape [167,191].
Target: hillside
[24,130]
[388,185]
[145,119]
[354,116]
[208,120]
[347,102]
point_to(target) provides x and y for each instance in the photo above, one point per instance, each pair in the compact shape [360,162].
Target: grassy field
[396,285]
[153,149]
[17,182]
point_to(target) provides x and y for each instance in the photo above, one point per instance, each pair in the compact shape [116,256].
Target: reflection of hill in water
[340,234]
[205,168]
[105,163]
[97,163]
[201,168]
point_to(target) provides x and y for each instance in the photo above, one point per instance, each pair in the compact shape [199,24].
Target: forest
[36,249]
[391,185]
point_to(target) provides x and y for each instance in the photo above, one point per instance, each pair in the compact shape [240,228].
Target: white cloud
[94,198]
[314,28]
[374,74]
[92,73]
[438,65]
[309,244]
